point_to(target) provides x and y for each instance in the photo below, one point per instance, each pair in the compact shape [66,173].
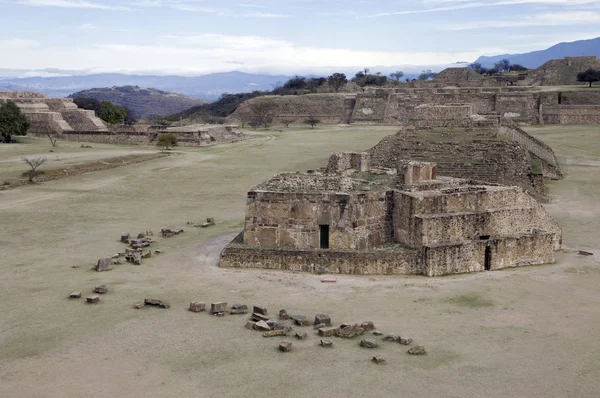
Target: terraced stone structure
[406,220]
[52,115]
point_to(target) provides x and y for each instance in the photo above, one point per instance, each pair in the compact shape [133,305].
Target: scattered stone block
[328,332]
[283,315]
[271,323]
[349,331]
[322,318]
[368,343]
[75,295]
[169,232]
[136,258]
[390,337]
[238,309]
[275,333]
[259,310]
[282,326]
[285,346]
[585,253]
[377,333]
[367,326]
[218,307]
[125,236]
[378,359]
[141,235]
[148,254]
[301,336]
[209,222]
[197,306]
[259,317]
[418,350]
[139,306]
[102,289]
[262,326]
[75,266]
[300,320]
[104,264]
[326,343]
[93,299]
[157,303]
[319,326]
[404,341]
[250,325]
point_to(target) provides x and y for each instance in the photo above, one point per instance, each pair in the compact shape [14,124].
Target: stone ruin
[53,115]
[406,220]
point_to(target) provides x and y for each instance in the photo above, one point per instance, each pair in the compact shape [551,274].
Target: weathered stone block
[250,325]
[300,320]
[418,350]
[326,343]
[367,326]
[283,315]
[322,318]
[262,326]
[259,317]
[328,332]
[157,303]
[125,237]
[378,359]
[404,341]
[102,289]
[368,343]
[218,307]
[259,310]
[197,306]
[75,295]
[301,336]
[285,346]
[93,299]
[319,326]
[104,264]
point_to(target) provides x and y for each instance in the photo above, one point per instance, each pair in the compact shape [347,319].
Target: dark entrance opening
[559,98]
[324,236]
[488,258]
[484,237]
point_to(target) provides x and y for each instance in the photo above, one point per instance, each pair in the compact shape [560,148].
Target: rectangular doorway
[488,258]
[324,236]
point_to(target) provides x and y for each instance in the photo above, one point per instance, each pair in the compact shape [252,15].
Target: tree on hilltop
[397,75]
[517,68]
[111,113]
[337,81]
[502,65]
[12,122]
[589,76]
[477,67]
[427,75]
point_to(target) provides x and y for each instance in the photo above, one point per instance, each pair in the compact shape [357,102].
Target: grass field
[525,332]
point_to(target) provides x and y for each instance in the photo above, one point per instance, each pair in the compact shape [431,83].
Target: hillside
[207,87]
[145,102]
[536,59]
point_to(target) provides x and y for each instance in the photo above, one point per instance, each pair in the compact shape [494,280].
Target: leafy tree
[287,122]
[502,65]
[166,141]
[296,82]
[12,122]
[34,163]
[368,79]
[312,121]
[427,75]
[91,104]
[517,68]
[337,81]
[492,72]
[589,76]
[397,75]
[111,113]
[130,116]
[476,66]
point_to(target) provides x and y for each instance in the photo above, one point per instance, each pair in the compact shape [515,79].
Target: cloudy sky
[282,36]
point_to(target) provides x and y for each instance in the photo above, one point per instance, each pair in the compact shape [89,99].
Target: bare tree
[34,163]
[312,121]
[263,112]
[53,137]
[287,122]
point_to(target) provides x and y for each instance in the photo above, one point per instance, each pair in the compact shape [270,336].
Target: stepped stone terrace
[351,218]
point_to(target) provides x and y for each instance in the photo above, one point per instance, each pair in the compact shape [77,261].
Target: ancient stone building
[50,115]
[406,220]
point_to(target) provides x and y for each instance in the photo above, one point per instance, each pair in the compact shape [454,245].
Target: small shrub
[166,141]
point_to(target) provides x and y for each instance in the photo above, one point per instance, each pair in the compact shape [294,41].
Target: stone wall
[402,261]
[572,114]
[342,161]
[287,219]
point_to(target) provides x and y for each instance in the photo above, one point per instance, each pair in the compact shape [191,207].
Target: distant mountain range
[536,59]
[208,87]
[145,102]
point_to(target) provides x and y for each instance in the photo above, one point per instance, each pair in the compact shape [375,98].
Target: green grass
[471,300]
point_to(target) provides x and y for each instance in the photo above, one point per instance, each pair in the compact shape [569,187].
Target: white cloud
[264,15]
[70,4]
[547,19]
[86,26]
[18,44]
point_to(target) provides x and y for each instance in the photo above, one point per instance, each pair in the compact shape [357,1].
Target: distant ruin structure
[53,115]
[406,220]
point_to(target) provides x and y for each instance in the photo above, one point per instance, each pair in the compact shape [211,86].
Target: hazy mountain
[207,87]
[536,59]
[145,102]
